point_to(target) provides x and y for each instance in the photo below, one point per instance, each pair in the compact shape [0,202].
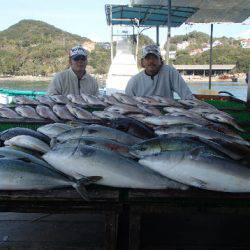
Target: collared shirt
[167,81]
[66,82]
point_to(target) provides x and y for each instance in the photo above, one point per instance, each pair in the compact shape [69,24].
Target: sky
[87,18]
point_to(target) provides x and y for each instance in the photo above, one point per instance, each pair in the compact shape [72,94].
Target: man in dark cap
[74,80]
[157,78]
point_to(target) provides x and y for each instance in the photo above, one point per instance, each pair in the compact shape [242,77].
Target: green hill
[35,48]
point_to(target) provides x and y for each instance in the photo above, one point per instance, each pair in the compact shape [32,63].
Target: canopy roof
[207,10]
[147,15]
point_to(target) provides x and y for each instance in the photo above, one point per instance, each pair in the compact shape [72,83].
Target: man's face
[152,64]
[79,63]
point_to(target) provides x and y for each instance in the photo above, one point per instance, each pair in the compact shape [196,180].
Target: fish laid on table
[146,100]
[97,142]
[9,113]
[46,100]
[107,115]
[174,143]
[125,99]
[133,127]
[62,112]
[210,173]
[54,129]
[98,131]
[149,109]
[115,170]
[109,99]
[12,132]
[24,100]
[223,119]
[172,119]
[29,142]
[124,109]
[21,175]
[201,132]
[80,113]
[46,112]
[93,100]
[10,152]
[59,99]
[164,101]
[77,99]
[27,112]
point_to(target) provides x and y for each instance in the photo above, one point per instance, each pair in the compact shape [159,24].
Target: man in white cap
[74,80]
[157,78]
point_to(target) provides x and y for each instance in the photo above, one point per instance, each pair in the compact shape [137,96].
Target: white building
[183,45]
[245,43]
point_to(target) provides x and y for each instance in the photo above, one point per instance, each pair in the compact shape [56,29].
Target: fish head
[143,149]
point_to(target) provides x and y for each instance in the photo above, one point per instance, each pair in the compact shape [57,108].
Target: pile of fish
[141,142]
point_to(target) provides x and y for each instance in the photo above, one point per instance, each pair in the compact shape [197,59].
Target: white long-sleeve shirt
[66,82]
[167,81]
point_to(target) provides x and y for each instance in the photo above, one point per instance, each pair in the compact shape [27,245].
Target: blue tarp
[148,16]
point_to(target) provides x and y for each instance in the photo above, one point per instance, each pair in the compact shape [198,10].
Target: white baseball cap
[150,49]
[77,51]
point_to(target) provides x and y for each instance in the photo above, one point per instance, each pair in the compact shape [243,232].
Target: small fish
[46,100]
[146,100]
[46,112]
[125,99]
[59,99]
[9,113]
[107,115]
[77,99]
[93,100]
[24,100]
[124,109]
[149,109]
[27,112]
[62,112]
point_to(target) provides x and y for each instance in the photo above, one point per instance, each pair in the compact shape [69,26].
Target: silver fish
[46,112]
[54,129]
[124,109]
[107,115]
[115,170]
[27,112]
[99,131]
[60,99]
[29,142]
[77,99]
[24,100]
[9,113]
[201,132]
[62,112]
[80,113]
[149,109]
[21,175]
[125,99]
[146,100]
[90,99]
[210,173]
[46,100]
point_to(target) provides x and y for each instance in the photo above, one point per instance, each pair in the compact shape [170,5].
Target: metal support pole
[169,32]
[111,43]
[211,56]
[248,90]
[137,40]
[157,36]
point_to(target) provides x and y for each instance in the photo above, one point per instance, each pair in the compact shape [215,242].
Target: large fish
[97,142]
[175,143]
[27,112]
[10,152]
[133,127]
[29,142]
[11,132]
[210,173]
[98,131]
[172,119]
[21,175]
[201,132]
[115,170]
[54,129]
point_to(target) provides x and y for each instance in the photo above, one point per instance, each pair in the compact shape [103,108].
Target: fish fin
[198,183]
[53,142]
[80,188]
